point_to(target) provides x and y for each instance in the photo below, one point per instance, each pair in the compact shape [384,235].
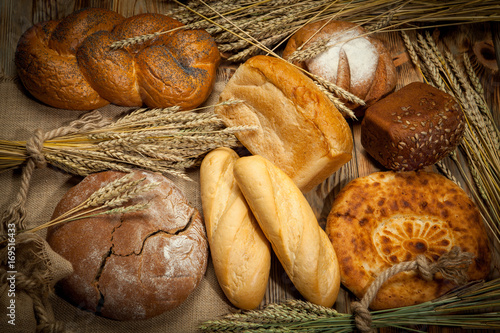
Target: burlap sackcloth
[20,115]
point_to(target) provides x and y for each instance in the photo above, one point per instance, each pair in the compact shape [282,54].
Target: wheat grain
[315,48]
[253,50]
[128,194]
[128,209]
[111,190]
[140,139]
[336,101]
[337,90]
[447,172]
[432,64]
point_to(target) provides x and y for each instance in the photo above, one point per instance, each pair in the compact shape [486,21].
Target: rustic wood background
[16,16]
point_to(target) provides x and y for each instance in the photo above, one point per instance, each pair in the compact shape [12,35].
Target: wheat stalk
[162,140]
[300,316]
[480,145]
[266,17]
[107,200]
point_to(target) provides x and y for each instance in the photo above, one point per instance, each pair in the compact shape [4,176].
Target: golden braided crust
[68,63]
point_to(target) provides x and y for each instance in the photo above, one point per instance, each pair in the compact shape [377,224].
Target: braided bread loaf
[69,64]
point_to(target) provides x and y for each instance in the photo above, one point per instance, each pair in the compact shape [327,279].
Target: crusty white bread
[240,252]
[355,60]
[298,128]
[287,220]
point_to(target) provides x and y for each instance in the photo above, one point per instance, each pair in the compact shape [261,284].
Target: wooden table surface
[16,16]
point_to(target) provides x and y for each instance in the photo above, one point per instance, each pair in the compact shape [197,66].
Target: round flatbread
[386,218]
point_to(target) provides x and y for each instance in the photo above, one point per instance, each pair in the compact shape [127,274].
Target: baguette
[241,254]
[288,222]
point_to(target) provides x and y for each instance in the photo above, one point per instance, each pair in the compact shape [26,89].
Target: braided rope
[452,266]
[34,288]
[15,215]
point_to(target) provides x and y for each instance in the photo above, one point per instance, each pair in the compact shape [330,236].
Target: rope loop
[452,265]
[34,146]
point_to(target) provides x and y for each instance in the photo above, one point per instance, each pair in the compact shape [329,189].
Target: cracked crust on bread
[135,265]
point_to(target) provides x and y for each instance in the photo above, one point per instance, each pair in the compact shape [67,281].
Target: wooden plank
[18,15]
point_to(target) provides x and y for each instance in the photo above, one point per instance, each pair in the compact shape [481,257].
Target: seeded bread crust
[412,128]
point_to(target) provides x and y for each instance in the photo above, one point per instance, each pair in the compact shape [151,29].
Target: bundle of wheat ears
[247,27]
[298,316]
[163,140]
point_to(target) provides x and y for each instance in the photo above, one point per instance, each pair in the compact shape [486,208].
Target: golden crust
[389,217]
[69,63]
[299,128]
[240,252]
[289,223]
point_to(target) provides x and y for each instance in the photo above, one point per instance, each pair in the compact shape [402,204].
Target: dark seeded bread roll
[412,128]
[135,265]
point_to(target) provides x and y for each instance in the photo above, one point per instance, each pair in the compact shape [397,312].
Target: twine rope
[16,212]
[452,266]
[15,215]
[35,288]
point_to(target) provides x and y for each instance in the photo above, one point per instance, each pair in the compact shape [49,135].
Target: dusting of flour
[361,54]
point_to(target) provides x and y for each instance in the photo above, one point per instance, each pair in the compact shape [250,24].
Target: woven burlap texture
[20,115]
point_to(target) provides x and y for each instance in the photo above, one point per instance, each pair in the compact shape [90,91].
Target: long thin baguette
[287,220]
[240,252]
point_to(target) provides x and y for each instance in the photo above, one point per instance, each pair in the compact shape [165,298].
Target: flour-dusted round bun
[355,60]
[69,64]
[134,265]
[412,128]
[389,217]
[297,127]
